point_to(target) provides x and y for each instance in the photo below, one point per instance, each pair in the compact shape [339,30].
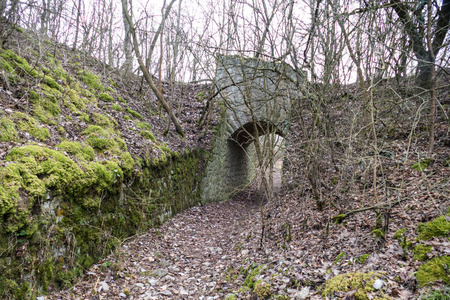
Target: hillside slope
[83,162]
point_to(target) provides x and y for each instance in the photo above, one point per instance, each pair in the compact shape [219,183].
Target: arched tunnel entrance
[246,163]
[236,163]
[255,97]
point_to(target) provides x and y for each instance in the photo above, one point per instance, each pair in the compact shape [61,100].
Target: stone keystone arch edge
[253,94]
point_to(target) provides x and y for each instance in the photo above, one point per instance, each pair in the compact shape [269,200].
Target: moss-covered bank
[70,189]
[62,215]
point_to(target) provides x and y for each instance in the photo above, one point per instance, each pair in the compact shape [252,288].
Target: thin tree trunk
[159,31]
[110,39]
[426,57]
[147,76]
[432,117]
[127,44]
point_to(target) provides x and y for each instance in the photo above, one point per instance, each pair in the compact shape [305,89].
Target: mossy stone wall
[60,235]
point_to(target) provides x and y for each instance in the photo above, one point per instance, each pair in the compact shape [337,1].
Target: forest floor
[287,248]
[214,251]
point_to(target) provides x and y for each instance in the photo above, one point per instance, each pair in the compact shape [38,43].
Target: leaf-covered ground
[215,251]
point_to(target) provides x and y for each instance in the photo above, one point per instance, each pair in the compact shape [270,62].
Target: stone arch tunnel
[256,99]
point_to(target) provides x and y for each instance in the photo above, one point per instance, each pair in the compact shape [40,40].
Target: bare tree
[147,75]
[426,25]
[127,43]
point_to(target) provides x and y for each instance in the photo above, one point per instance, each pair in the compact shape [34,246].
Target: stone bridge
[255,97]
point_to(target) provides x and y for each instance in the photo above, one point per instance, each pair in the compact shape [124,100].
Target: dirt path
[184,259]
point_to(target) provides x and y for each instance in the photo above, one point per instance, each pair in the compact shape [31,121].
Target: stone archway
[256,98]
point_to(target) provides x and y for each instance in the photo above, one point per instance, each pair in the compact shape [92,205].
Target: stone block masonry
[255,97]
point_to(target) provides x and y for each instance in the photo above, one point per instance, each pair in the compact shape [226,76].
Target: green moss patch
[73,102]
[45,108]
[99,138]
[91,80]
[37,169]
[85,118]
[11,74]
[438,227]
[6,66]
[75,99]
[51,83]
[250,275]
[421,165]
[399,233]
[262,289]
[144,125]
[55,170]
[105,97]
[30,125]
[58,70]
[34,170]
[104,121]
[8,131]
[19,64]
[361,283]
[78,150]
[126,163]
[146,131]
[102,139]
[134,113]
[148,135]
[420,252]
[434,270]
[117,107]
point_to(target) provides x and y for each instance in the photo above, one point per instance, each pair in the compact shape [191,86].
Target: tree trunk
[127,46]
[426,57]
[147,76]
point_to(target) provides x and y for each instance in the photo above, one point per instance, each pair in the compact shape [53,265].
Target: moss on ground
[126,163]
[19,64]
[85,118]
[399,233]
[11,74]
[6,66]
[434,270]
[57,69]
[144,126]
[73,101]
[262,289]
[8,131]
[30,125]
[146,131]
[251,273]
[51,83]
[45,107]
[134,113]
[99,138]
[104,121]
[420,252]
[105,97]
[361,283]
[80,151]
[91,80]
[117,107]
[438,227]
[421,165]
[147,134]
